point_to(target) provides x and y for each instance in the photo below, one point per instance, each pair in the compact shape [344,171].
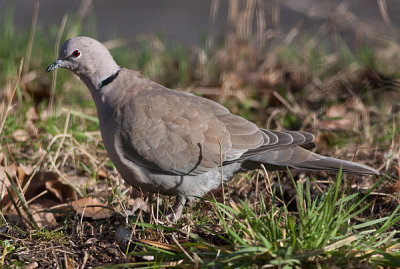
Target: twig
[10,153]
[384,12]
[36,197]
[56,48]
[12,96]
[63,177]
[183,250]
[214,10]
[222,170]
[31,37]
[79,147]
[63,137]
[284,102]
[85,259]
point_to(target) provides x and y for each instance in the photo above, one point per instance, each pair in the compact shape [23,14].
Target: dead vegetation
[62,200]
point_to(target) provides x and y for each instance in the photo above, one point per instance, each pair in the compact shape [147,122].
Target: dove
[175,143]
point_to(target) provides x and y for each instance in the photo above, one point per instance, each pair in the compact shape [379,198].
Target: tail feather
[334,165]
[302,159]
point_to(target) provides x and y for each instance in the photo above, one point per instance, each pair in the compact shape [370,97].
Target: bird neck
[108,80]
[97,78]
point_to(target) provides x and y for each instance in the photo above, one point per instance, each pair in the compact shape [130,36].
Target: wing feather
[179,133]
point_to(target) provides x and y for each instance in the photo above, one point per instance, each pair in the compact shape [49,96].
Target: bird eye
[76,53]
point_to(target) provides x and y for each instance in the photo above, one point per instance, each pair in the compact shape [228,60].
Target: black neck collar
[110,79]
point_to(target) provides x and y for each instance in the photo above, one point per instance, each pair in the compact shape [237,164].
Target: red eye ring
[76,53]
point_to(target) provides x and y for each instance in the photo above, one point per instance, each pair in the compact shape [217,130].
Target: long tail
[302,159]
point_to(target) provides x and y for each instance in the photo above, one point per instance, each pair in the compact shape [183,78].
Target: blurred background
[190,22]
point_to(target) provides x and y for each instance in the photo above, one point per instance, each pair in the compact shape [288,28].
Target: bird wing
[175,132]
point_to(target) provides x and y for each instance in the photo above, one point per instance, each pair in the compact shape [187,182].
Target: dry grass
[348,99]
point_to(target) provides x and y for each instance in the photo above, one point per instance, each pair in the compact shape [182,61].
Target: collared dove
[173,142]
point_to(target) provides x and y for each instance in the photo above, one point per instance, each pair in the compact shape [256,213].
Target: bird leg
[174,214]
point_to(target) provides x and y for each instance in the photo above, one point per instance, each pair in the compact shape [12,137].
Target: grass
[322,231]
[282,220]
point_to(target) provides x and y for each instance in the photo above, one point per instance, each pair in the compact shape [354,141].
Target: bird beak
[53,66]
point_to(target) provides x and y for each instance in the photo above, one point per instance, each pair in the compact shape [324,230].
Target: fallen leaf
[337,110]
[4,184]
[339,117]
[138,203]
[31,129]
[28,169]
[396,187]
[38,183]
[81,182]
[49,181]
[50,194]
[42,217]
[24,171]
[90,207]
[102,173]
[11,170]
[32,265]
[69,262]
[63,192]
[20,135]
[138,200]
[32,114]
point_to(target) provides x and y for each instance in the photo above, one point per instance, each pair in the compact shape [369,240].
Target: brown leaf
[39,214]
[69,262]
[31,128]
[57,191]
[338,110]
[80,182]
[102,173]
[396,187]
[138,203]
[32,265]
[28,169]
[38,183]
[42,218]
[12,170]
[20,174]
[63,192]
[339,117]
[92,208]
[20,135]
[4,184]
[46,184]
[32,114]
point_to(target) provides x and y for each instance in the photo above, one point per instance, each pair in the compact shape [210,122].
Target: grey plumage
[168,141]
